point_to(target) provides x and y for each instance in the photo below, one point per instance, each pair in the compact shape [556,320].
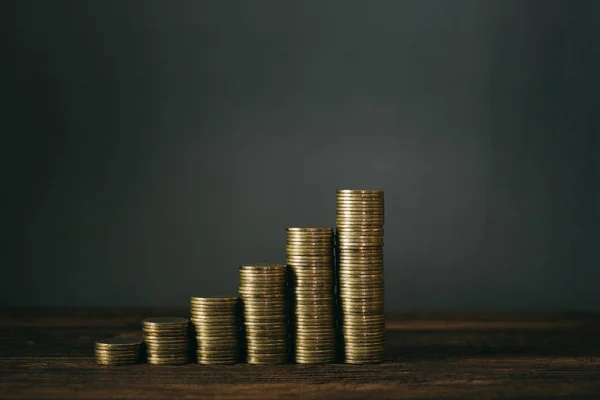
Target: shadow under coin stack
[216,323]
[359,223]
[166,340]
[118,351]
[310,258]
[263,293]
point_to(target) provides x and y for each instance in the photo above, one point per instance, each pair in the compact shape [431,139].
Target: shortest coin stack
[166,340]
[118,351]
[216,322]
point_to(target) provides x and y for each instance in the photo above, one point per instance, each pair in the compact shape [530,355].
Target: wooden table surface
[48,353]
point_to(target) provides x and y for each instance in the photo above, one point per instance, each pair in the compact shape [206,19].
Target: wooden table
[48,353]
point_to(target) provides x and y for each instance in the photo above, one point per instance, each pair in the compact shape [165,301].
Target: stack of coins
[166,340]
[118,351]
[359,223]
[310,258]
[263,293]
[216,323]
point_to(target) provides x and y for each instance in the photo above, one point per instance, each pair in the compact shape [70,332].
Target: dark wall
[154,146]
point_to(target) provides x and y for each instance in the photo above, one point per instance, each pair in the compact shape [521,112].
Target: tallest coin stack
[359,225]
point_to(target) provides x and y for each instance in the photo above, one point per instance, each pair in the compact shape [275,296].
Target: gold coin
[267,351]
[160,322]
[366,254]
[202,321]
[274,275]
[109,359]
[165,332]
[313,272]
[314,301]
[315,230]
[217,343]
[373,231]
[351,210]
[118,352]
[261,322]
[358,236]
[293,245]
[262,268]
[210,328]
[360,192]
[324,258]
[274,281]
[221,333]
[166,339]
[218,316]
[295,265]
[166,349]
[309,239]
[360,219]
[342,207]
[274,303]
[261,292]
[231,356]
[316,239]
[215,300]
[309,235]
[265,325]
[309,252]
[118,342]
[347,223]
[259,308]
[375,212]
[325,338]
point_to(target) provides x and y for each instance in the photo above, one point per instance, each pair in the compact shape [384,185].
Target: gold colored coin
[314,230]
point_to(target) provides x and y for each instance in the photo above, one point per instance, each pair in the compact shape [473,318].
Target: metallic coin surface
[360,216]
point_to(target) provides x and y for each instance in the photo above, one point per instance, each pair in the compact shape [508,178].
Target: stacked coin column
[166,340]
[216,324]
[118,351]
[263,293]
[359,225]
[310,258]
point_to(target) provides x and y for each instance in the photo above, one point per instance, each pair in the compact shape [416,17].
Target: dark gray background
[154,146]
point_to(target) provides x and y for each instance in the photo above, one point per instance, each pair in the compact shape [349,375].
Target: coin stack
[359,223]
[263,293]
[215,321]
[118,351]
[166,340]
[310,258]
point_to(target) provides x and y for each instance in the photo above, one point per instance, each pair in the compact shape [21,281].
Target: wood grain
[48,353]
